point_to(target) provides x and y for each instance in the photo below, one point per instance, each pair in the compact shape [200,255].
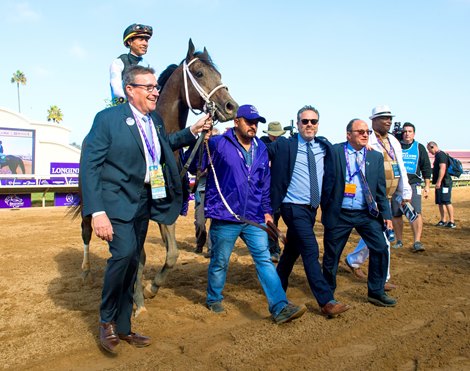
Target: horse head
[194,84]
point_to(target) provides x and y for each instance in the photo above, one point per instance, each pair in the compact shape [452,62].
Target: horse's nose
[230,108]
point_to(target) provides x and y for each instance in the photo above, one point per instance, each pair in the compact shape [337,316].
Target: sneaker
[418,246]
[441,224]
[275,257]
[216,307]
[450,225]
[398,245]
[289,313]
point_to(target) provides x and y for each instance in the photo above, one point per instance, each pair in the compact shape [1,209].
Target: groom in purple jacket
[239,186]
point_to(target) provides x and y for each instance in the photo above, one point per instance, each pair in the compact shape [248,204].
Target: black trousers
[371,230]
[301,241]
[121,270]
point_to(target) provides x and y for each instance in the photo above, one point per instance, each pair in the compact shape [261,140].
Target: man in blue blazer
[302,169]
[128,176]
[349,207]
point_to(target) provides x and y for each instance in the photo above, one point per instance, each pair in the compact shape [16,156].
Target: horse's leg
[169,238]
[138,293]
[86,237]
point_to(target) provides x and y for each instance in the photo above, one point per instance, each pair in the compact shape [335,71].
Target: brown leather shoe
[358,273]
[137,340]
[389,286]
[333,308]
[109,339]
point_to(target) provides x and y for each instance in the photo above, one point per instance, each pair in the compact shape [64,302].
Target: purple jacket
[246,189]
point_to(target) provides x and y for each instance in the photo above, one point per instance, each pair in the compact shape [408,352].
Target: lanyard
[392,151]
[252,154]
[358,166]
[150,148]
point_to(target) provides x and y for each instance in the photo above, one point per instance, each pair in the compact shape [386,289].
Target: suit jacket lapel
[127,117]
[342,164]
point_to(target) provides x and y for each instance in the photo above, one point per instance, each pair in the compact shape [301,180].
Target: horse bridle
[209,107]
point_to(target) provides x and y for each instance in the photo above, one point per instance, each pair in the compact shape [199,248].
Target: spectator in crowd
[129,176]
[443,186]
[302,170]
[237,195]
[418,169]
[136,37]
[274,131]
[358,201]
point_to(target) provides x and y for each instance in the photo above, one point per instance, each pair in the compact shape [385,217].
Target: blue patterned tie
[312,169]
[148,130]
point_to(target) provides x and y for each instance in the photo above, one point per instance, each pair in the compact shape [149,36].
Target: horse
[13,162]
[194,84]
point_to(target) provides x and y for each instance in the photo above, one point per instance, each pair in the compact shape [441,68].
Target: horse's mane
[165,75]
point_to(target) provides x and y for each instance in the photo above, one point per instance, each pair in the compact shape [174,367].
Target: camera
[397,131]
[290,128]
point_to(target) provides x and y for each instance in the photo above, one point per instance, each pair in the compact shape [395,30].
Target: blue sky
[344,57]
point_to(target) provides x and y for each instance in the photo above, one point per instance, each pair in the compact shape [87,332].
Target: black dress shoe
[137,340]
[109,339]
[382,300]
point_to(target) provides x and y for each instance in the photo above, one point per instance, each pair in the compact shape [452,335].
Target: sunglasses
[306,121]
[251,122]
[362,132]
[149,88]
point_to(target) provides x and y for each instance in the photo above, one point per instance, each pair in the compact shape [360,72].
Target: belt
[306,206]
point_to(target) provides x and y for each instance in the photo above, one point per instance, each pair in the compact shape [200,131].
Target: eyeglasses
[362,132]
[306,121]
[149,88]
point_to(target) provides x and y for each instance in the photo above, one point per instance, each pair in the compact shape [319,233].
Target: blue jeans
[223,235]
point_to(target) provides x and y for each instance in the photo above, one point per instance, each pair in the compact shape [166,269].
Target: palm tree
[54,114]
[18,77]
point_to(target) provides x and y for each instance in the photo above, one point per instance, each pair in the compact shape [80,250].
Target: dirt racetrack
[49,317]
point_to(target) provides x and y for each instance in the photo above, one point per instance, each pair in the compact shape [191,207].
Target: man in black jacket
[301,171]
[358,200]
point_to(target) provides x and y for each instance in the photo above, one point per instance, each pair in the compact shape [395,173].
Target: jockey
[136,38]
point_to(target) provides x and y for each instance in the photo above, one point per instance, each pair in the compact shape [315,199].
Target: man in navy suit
[350,207]
[129,175]
[301,171]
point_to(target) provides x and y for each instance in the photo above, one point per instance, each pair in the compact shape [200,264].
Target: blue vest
[411,158]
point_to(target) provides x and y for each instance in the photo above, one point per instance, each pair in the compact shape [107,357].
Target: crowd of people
[129,176]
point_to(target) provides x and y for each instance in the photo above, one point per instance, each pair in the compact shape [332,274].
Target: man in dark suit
[128,176]
[301,169]
[355,203]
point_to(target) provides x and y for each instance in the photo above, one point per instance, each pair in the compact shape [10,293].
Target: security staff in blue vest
[418,169]
[136,37]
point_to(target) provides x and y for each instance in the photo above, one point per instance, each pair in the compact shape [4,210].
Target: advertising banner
[15,201]
[66,199]
[65,168]
[16,151]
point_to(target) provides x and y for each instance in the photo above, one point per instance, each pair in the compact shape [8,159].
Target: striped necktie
[312,169]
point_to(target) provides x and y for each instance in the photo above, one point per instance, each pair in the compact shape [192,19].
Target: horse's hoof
[87,277]
[148,293]
[139,311]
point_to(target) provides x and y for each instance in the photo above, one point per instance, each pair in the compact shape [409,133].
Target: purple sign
[18,182]
[65,168]
[66,199]
[59,181]
[15,201]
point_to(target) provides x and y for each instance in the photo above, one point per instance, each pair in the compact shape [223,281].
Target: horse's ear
[205,53]
[190,51]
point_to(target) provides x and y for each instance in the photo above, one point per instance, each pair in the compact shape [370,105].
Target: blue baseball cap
[249,112]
